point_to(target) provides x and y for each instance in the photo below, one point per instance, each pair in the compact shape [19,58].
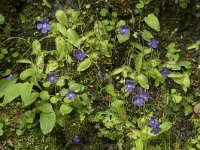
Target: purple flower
[153,122]
[70,94]
[124,30]
[138,102]
[79,54]
[129,85]
[153,42]
[155,130]
[44,26]
[154,125]
[52,77]
[76,139]
[165,72]
[9,77]
[140,98]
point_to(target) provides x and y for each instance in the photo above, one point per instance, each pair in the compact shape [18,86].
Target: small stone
[197,109]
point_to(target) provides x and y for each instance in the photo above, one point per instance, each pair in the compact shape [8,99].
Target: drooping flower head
[165,72]
[76,139]
[129,85]
[154,125]
[9,77]
[44,26]
[79,54]
[52,77]
[70,94]
[153,42]
[124,30]
[140,98]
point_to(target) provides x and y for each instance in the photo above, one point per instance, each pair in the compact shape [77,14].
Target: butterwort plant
[43,25]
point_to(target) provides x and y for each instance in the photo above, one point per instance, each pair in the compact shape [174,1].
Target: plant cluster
[63,75]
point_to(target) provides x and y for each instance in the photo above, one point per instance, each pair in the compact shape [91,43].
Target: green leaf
[25,61]
[176,98]
[51,66]
[11,93]
[103,12]
[139,144]
[2,19]
[31,99]
[60,82]
[152,21]
[143,81]
[4,51]
[4,84]
[62,18]
[44,95]
[146,35]
[65,109]
[73,37]
[122,38]
[61,28]
[110,89]
[117,71]
[75,86]
[60,44]
[175,75]
[36,47]
[85,64]
[27,73]
[138,62]
[165,126]
[46,108]
[185,64]
[47,122]
[186,82]
[26,95]
[25,90]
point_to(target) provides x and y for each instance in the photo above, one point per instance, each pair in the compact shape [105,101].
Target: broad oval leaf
[60,44]
[61,28]
[46,108]
[2,19]
[138,63]
[165,126]
[11,93]
[26,95]
[152,21]
[84,64]
[65,109]
[4,84]
[47,122]
[62,18]
[146,35]
[117,71]
[73,37]
[36,47]
[27,73]
[143,81]
[139,144]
